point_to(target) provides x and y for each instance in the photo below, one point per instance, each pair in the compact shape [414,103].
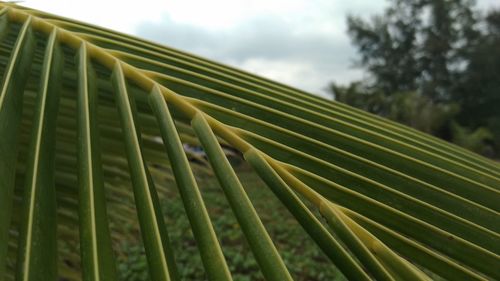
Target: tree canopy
[443,53]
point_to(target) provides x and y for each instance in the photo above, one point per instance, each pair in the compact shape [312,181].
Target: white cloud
[224,14]
[266,46]
[122,16]
[302,75]
[298,74]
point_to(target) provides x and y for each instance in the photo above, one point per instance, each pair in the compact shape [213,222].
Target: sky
[302,43]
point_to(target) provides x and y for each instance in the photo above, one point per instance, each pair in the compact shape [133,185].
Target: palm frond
[87,112]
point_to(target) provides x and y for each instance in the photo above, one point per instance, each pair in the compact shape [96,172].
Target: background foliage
[433,65]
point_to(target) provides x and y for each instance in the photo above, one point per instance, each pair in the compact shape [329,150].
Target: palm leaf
[86,112]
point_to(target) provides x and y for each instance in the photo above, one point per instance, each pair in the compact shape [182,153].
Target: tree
[416,45]
[444,50]
[387,46]
[478,89]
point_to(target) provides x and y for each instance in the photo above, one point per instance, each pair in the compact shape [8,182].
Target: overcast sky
[302,43]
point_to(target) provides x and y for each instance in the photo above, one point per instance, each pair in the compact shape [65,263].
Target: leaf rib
[210,250]
[37,261]
[154,232]
[97,257]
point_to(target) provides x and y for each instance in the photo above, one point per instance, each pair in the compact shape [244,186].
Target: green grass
[302,257]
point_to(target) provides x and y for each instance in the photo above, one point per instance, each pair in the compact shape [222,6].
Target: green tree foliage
[417,44]
[479,88]
[444,54]
[409,108]
[472,140]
